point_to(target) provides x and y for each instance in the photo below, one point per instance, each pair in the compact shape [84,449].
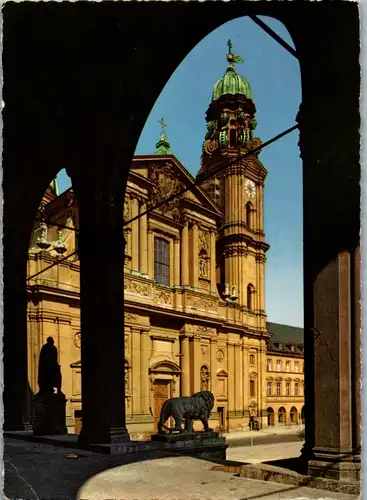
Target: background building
[194,282]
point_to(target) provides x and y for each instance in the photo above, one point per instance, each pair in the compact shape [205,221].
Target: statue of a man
[49,372]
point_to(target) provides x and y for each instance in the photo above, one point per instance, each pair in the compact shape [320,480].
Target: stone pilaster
[135,235]
[136,371]
[185,255]
[195,364]
[194,261]
[231,377]
[213,272]
[143,239]
[176,259]
[238,381]
[150,251]
[185,366]
[145,348]
[213,366]
[245,365]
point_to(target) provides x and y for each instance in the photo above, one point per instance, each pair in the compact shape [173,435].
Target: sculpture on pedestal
[49,406]
[196,407]
[49,372]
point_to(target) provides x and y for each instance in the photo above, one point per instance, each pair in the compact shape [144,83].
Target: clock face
[250,188]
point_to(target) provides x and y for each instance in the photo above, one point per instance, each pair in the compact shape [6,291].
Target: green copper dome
[231,83]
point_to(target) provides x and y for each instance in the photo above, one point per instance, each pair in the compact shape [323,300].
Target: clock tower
[238,191]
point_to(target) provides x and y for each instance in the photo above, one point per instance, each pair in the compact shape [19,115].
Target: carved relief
[220,355]
[203,264]
[201,303]
[126,208]
[165,184]
[77,340]
[204,378]
[136,288]
[204,352]
[163,297]
[204,241]
[131,317]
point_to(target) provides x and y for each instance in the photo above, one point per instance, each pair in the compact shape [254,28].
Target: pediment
[253,375]
[167,176]
[222,373]
[76,364]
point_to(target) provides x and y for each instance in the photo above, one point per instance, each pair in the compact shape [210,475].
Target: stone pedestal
[339,466]
[50,414]
[198,444]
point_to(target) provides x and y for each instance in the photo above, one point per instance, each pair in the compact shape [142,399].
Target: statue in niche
[49,370]
[204,378]
[203,261]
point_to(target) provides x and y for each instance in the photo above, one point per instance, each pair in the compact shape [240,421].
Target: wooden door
[160,395]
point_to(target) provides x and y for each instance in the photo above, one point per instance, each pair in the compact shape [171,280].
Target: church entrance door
[160,395]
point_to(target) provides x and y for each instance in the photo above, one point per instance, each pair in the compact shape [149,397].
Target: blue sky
[274,77]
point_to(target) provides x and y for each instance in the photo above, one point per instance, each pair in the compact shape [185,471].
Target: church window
[252,359]
[252,388]
[296,366]
[204,378]
[287,366]
[250,296]
[270,388]
[269,365]
[279,365]
[296,389]
[232,138]
[279,388]
[161,261]
[288,389]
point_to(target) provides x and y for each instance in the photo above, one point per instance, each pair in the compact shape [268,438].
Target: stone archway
[271,416]
[163,377]
[282,415]
[293,415]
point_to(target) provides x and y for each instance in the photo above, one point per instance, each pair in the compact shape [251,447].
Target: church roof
[285,333]
[232,83]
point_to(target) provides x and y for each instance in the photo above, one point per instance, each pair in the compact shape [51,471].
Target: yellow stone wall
[171,332]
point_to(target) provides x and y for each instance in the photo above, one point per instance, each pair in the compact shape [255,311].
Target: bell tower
[238,191]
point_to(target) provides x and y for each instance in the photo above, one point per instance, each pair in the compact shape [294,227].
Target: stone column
[195,364]
[194,264]
[185,255]
[231,371]
[143,240]
[136,371]
[135,235]
[145,347]
[102,317]
[176,259]
[185,367]
[213,272]
[245,371]
[150,251]
[238,377]
[213,366]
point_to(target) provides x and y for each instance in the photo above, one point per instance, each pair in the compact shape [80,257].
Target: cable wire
[274,35]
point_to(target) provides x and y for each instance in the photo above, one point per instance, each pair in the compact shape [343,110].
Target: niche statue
[196,407]
[49,372]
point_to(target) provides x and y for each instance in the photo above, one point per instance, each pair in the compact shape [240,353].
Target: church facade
[194,282]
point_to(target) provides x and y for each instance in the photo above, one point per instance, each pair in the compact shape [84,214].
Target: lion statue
[196,407]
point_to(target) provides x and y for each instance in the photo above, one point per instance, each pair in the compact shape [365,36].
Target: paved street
[42,472]
[264,453]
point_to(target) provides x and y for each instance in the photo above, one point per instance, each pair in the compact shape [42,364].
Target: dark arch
[293,415]
[271,415]
[282,415]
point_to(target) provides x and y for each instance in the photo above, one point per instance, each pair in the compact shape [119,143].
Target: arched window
[250,296]
[204,378]
[232,138]
[161,261]
[249,215]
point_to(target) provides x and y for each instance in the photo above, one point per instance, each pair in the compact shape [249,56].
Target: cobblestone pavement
[42,472]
